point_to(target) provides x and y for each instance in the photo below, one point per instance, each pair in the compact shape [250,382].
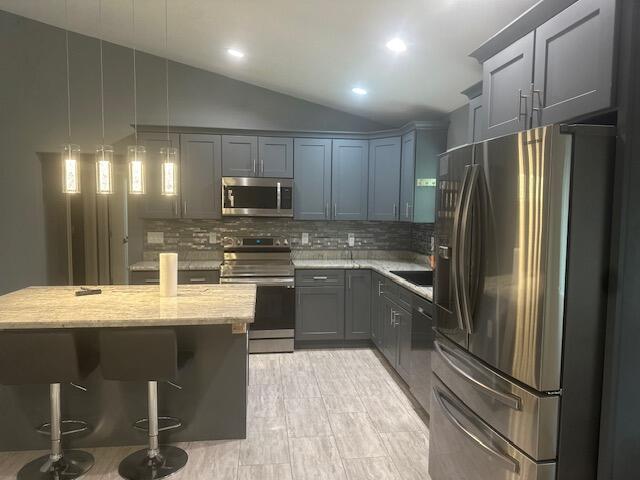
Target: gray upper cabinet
[201,168]
[506,84]
[320,313]
[239,156]
[275,157]
[312,183]
[156,205]
[358,305]
[350,177]
[574,62]
[384,178]
[407,177]
[476,120]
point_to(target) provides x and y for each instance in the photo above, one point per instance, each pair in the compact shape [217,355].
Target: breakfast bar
[208,395]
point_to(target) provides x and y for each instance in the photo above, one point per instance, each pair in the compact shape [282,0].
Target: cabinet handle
[320,278]
[151,280]
[326,211]
[380,292]
[349,282]
[407,210]
[184,207]
[175,208]
[540,106]
[335,210]
[262,166]
[395,210]
[197,279]
[526,105]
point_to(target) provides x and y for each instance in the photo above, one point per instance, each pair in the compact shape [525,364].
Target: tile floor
[312,415]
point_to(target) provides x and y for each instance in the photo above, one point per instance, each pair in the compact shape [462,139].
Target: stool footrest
[68,427]
[164,424]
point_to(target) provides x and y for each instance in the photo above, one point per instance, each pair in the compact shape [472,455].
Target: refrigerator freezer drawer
[463,447]
[527,419]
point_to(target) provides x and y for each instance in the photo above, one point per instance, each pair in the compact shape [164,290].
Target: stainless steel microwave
[257,197]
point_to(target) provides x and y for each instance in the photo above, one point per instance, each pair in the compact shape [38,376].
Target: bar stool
[49,357]
[150,355]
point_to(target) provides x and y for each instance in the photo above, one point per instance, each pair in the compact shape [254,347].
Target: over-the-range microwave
[257,197]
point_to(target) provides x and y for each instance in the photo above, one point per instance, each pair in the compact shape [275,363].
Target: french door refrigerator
[522,242]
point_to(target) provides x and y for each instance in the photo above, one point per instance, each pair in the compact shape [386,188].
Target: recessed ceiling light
[397,45]
[235,53]
[359,91]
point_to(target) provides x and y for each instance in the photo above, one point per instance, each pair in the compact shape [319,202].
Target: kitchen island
[211,324]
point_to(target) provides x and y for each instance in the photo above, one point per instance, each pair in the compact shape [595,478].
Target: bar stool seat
[49,357]
[149,355]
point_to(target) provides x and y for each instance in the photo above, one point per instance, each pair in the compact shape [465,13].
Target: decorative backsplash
[195,235]
[422,238]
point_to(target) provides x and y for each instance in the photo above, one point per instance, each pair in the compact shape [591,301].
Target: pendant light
[136,154]
[104,153]
[70,152]
[168,154]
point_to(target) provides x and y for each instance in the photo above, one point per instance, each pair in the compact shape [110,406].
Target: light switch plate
[352,239]
[212,238]
[426,182]
[155,238]
[305,238]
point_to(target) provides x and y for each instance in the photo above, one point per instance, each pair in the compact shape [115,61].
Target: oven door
[262,197]
[275,306]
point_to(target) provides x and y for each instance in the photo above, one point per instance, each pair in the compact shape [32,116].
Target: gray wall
[458,127]
[33,118]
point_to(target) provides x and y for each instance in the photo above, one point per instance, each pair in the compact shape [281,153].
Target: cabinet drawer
[398,295]
[195,277]
[309,278]
[144,278]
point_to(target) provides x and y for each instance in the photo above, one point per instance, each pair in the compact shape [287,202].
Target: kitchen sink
[421,278]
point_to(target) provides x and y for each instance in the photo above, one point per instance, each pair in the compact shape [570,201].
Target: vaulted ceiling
[317,50]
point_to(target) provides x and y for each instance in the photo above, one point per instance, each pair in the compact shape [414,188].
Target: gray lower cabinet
[200,176]
[154,204]
[388,344]
[350,179]
[358,305]
[320,313]
[407,177]
[574,62]
[506,84]
[384,178]
[377,299]
[312,181]
[275,157]
[402,322]
[239,156]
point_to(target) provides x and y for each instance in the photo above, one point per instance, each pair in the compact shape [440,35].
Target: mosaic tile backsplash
[194,235]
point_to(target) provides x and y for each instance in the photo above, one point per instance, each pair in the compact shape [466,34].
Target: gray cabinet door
[320,313]
[377,306]
[358,305]
[201,171]
[349,179]
[407,177]
[239,156]
[476,118]
[403,359]
[506,84]
[389,342]
[312,179]
[275,157]
[156,205]
[384,178]
[574,62]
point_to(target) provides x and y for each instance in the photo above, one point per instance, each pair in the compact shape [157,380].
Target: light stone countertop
[127,306]
[153,266]
[383,267]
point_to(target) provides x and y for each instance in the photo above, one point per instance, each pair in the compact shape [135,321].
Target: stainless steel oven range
[265,261]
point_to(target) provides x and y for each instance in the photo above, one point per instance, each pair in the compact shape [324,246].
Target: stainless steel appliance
[257,197]
[265,261]
[522,234]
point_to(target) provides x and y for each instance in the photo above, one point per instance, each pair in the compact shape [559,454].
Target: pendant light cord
[166,60]
[101,72]
[66,44]
[135,79]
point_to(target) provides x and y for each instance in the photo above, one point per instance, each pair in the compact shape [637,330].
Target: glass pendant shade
[104,170]
[169,157]
[70,169]
[136,156]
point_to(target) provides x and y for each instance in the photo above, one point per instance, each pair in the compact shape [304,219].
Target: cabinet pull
[335,210]
[395,210]
[184,207]
[151,280]
[526,105]
[407,210]
[197,279]
[349,282]
[320,278]
[255,166]
[175,208]
[380,292]
[326,211]
[536,93]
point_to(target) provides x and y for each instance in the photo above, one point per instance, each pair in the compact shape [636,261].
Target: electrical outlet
[155,238]
[352,239]
[305,238]
[425,182]
[213,238]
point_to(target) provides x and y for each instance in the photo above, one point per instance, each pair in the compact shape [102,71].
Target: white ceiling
[312,49]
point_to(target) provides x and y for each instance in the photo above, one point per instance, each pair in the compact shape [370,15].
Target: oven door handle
[288,282]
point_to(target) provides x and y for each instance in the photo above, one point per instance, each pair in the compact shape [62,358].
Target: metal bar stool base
[139,466]
[73,464]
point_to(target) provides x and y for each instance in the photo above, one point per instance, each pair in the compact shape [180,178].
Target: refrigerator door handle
[507,399]
[465,296]
[510,463]
[455,240]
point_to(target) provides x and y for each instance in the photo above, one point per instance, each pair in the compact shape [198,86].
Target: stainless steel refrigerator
[522,234]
